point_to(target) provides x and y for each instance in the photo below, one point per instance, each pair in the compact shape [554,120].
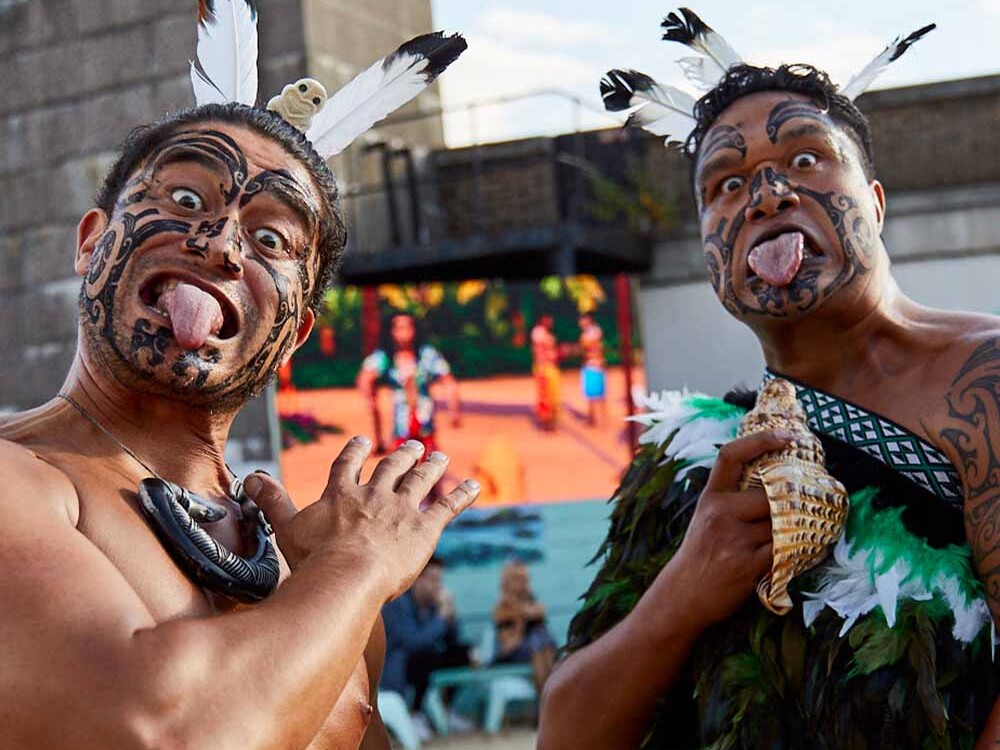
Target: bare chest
[111,519]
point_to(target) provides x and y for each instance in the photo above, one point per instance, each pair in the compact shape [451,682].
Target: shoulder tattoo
[973,431]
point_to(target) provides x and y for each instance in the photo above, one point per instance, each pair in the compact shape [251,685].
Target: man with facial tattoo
[127,624]
[888,643]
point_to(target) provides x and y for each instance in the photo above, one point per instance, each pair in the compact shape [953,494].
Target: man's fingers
[392,468]
[758,533]
[748,505]
[271,497]
[420,480]
[762,558]
[446,507]
[725,475]
[346,467]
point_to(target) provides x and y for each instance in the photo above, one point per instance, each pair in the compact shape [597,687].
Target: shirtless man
[780,162]
[592,374]
[211,243]
[545,368]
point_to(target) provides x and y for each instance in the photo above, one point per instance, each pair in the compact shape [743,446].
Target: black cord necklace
[175,512]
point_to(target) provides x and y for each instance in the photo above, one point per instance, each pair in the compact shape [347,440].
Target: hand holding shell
[808,506]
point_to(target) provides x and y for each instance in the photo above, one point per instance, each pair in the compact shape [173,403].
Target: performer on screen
[410,367]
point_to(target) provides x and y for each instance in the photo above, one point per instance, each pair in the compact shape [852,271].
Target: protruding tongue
[778,260]
[194,314]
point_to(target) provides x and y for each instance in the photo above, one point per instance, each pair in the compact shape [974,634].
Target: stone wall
[78,75]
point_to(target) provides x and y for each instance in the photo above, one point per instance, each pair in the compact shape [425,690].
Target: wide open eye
[731,185]
[187,198]
[805,160]
[270,239]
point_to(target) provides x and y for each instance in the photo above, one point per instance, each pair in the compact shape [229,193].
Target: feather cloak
[763,681]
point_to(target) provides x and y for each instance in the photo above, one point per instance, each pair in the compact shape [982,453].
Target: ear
[305,328]
[878,194]
[88,232]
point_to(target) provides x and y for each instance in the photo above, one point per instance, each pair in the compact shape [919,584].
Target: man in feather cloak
[141,578]
[890,643]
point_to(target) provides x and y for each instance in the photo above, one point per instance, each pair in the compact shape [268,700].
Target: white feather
[227,55]
[861,80]
[372,95]
[714,46]
[684,26]
[663,121]
[664,111]
[703,72]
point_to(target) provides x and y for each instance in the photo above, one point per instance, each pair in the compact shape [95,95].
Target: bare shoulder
[29,482]
[965,331]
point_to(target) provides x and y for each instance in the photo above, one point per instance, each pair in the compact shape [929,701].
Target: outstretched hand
[387,523]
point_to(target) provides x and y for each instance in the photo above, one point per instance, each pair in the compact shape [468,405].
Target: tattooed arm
[972,432]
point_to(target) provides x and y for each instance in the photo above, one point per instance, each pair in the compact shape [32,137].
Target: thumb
[271,497]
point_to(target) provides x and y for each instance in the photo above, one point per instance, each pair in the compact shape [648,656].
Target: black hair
[435,560]
[743,80]
[386,342]
[145,138]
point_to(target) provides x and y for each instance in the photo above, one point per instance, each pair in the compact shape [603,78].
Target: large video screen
[525,385]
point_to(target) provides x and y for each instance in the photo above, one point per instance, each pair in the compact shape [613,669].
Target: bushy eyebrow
[189,155]
[806,129]
[284,188]
[720,164]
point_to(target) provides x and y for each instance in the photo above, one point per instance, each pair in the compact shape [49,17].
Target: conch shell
[808,506]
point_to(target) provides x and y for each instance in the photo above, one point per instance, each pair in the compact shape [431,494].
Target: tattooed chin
[146,358]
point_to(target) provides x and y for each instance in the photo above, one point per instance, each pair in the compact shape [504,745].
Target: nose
[220,244]
[231,252]
[771,194]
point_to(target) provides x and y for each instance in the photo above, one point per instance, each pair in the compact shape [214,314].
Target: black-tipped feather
[684,28]
[440,51]
[908,41]
[381,89]
[619,86]
[861,80]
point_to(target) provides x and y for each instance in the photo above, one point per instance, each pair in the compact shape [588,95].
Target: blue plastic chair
[396,717]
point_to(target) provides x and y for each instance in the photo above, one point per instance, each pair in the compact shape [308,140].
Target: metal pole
[623,294]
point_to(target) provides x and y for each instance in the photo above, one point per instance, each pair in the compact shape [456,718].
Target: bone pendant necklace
[175,512]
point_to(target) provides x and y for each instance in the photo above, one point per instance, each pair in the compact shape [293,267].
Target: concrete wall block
[105,120]
[96,15]
[10,261]
[40,373]
[47,254]
[53,315]
[23,144]
[116,58]
[36,196]
[83,179]
[171,95]
[55,131]
[171,42]
[39,23]
[11,313]
[281,29]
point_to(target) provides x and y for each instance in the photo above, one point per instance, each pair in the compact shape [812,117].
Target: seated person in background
[421,635]
[520,622]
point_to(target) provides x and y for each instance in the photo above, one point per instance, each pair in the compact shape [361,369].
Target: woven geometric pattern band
[896,447]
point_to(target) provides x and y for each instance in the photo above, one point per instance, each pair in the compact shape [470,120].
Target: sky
[523,46]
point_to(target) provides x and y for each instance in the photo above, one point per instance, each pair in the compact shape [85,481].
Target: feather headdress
[226,71]
[669,112]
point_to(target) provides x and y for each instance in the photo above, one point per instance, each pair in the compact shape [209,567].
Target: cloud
[841,56]
[492,69]
[525,27]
